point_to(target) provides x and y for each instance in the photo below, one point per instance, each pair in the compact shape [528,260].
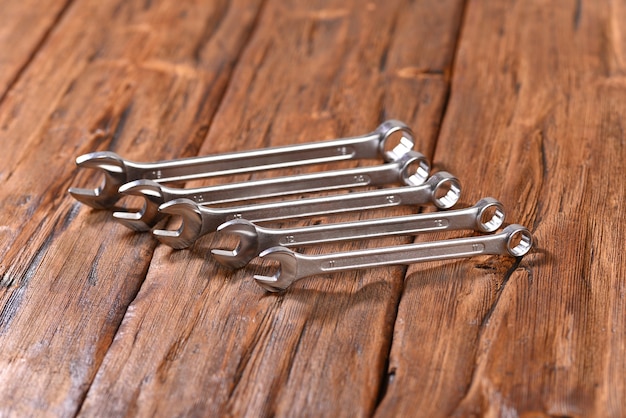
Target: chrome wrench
[118,171]
[411,168]
[485,216]
[442,189]
[514,240]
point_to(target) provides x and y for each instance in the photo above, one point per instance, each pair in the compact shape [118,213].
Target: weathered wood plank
[24,27]
[141,78]
[211,339]
[536,118]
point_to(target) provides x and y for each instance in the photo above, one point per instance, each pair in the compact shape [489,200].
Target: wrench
[442,189]
[486,216]
[514,240]
[118,171]
[411,168]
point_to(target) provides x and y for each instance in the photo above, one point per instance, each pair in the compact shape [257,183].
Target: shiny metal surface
[442,189]
[118,171]
[486,216]
[514,240]
[411,168]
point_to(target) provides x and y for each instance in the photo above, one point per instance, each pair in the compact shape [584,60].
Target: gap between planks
[387,375]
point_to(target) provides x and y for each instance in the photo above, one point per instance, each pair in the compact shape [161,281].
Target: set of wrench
[403,178]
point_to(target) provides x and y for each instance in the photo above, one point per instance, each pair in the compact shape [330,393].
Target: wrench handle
[347,202]
[360,147]
[376,228]
[306,183]
[333,204]
[497,244]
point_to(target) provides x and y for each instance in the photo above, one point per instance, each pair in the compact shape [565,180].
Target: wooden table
[523,101]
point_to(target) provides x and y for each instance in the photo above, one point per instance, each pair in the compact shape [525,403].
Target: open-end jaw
[287,273]
[115,175]
[190,228]
[247,248]
[148,215]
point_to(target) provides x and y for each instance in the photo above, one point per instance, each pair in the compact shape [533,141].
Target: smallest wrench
[487,215]
[514,240]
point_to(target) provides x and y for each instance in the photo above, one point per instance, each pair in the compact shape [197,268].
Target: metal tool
[118,171]
[411,168]
[442,189]
[486,216]
[514,240]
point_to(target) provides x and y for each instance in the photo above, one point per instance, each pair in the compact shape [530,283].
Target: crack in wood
[245,44]
[211,26]
[11,308]
[9,278]
[481,331]
[119,127]
[249,349]
[387,374]
[390,37]
[449,76]
[578,11]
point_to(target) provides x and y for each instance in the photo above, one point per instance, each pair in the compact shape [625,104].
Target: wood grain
[524,101]
[535,118]
[24,28]
[69,273]
[224,346]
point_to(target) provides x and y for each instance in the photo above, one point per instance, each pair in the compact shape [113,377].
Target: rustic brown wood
[525,101]
[536,118]
[24,27]
[114,80]
[218,343]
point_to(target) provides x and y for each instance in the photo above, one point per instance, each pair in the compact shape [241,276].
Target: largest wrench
[118,171]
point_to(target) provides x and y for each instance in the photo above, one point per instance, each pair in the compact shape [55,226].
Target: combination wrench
[487,215]
[442,189]
[411,168]
[119,171]
[514,240]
